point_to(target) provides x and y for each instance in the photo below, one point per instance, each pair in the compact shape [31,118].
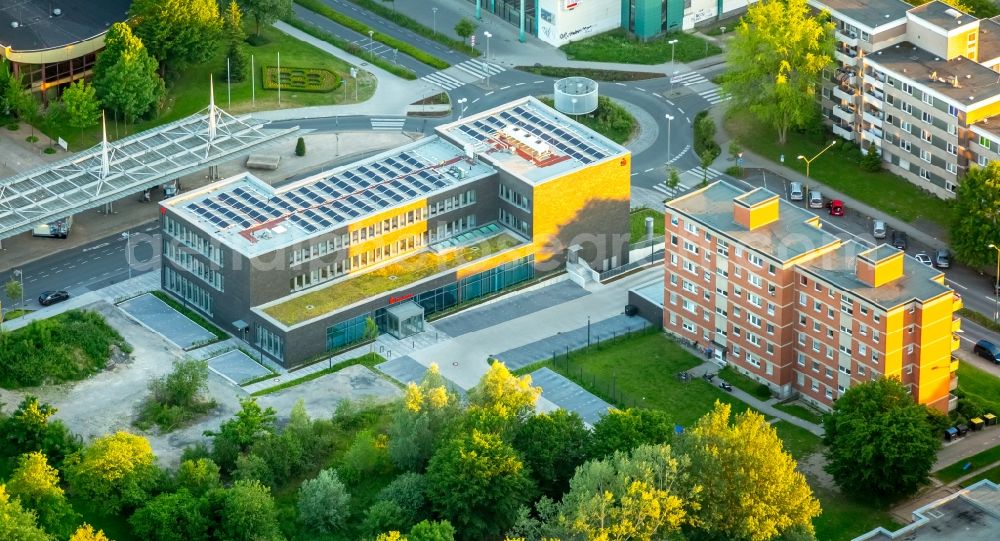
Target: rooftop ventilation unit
[56,12]
[14,24]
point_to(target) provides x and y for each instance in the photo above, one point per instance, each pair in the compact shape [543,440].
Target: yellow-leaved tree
[114,471]
[86,533]
[426,411]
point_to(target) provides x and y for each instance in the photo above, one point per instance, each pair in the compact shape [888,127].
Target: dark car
[52,297]
[987,350]
[899,240]
[942,259]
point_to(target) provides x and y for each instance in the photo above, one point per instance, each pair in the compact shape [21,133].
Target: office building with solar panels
[486,203]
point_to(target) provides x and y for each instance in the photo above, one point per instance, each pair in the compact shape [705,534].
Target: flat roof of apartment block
[871,13]
[989,40]
[254,218]
[960,79]
[531,140]
[940,14]
[972,514]
[838,267]
[788,237]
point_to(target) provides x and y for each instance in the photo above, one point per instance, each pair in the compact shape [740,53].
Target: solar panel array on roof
[558,138]
[328,200]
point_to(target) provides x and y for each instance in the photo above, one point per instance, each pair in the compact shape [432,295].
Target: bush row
[704,138]
[590,73]
[359,27]
[406,22]
[352,48]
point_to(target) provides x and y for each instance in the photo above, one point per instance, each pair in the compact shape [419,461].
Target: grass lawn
[884,191]
[993,474]
[14,314]
[844,519]
[362,286]
[617,46]
[609,119]
[745,384]
[637,224]
[802,412]
[591,73]
[798,441]
[188,93]
[980,460]
[980,386]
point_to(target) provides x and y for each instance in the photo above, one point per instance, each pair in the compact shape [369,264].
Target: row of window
[513,222]
[181,256]
[463,199]
[356,262]
[359,235]
[514,198]
[189,238]
[177,283]
[270,342]
[449,229]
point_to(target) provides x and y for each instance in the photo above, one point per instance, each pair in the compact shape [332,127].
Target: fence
[649,260]
[646,243]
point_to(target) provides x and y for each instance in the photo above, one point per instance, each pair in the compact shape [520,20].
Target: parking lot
[155,314]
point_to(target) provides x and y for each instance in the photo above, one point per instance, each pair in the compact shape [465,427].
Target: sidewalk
[752,160]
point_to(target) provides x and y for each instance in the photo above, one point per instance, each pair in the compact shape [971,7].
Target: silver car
[878,229]
[815,199]
[795,191]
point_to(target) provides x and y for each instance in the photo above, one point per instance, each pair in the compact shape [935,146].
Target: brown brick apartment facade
[758,281]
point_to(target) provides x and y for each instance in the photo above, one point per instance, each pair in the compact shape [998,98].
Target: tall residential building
[758,280]
[920,83]
[487,202]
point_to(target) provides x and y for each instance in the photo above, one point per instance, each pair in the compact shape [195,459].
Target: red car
[836,207]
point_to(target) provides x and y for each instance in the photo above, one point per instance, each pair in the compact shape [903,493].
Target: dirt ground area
[107,402]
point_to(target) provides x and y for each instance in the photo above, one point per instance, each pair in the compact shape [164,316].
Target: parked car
[836,207]
[899,240]
[815,199]
[795,191]
[942,259]
[51,297]
[878,229]
[923,258]
[987,350]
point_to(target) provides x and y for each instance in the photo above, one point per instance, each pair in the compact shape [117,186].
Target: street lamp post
[996,286]
[434,10]
[461,102]
[371,44]
[672,43]
[670,153]
[19,274]
[128,252]
[672,77]
[573,100]
[486,66]
[810,160]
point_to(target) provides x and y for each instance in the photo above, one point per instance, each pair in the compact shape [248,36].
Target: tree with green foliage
[114,472]
[424,415]
[553,445]
[248,514]
[384,516]
[776,58]
[82,107]
[624,430]
[18,523]
[172,516]
[232,28]
[643,494]
[14,291]
[300,150]
[86,532]
[430,530]
[125,75]
[235,436]
[871,160]
[465,27]
[178,33]
[197,476]
[266,11]
[324,503]
[879,441]
[974,223]
[749,487]
[408,493]
[30,428]
[477,482]
[507,395]
[178,397]
[367,456]
[673,179]
[36,484]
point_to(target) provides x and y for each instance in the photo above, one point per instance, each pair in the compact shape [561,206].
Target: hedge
[359,27]
[345,45]
[406,22]
[300,79]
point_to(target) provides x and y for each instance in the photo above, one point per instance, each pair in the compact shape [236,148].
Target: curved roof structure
[38,29]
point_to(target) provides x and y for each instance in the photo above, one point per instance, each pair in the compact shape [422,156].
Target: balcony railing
[844,113]
[843,132]
[849,38]
[874,94]
[873,117]
[958,304]
[841,93]
[875,139]
[846,56]
[956,325]
[954,365]
[955,342]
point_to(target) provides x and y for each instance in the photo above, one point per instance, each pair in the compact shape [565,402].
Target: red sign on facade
[401,298]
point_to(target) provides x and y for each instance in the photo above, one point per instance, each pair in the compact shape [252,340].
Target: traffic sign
[472,40]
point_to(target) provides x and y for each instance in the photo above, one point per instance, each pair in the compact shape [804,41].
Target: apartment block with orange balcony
[758,282]
[487,202]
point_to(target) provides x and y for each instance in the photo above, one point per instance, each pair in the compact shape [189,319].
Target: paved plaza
[164,320]
[237,367]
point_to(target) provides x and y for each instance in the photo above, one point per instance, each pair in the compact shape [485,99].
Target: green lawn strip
[844,519]
[368,359]
[980,385]
[191,314]
[637,224]
[409,270]
[611,76]
[353,48]
[745,384]
[417,53]
[14,314]
[798,441]
[979,319]
[609,119]
[838,168]
[993,474]
[378,7]
[802,412]
[618,46]
[980,460]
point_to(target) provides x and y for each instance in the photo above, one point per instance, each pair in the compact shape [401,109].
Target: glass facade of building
[438,299]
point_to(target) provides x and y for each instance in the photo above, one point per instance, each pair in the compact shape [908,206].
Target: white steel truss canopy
[111,171]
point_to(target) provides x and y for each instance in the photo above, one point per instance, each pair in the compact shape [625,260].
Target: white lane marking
[680,110]
[620,84]
[475,100]
[519,84]
[504,87]
[688,119]
[670,102]
[648,170]
[102,245]
[641,89]
[954,283]
[490,93]
[537,82]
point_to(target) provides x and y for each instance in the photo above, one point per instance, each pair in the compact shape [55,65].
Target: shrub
[408,492]
[13,126]
[30,428]
[368,454]
[177,397]
[384,516]
[300,147]
[324,503]
[734,171]
[704,137]
[871,160]
[300,79]
[762,391]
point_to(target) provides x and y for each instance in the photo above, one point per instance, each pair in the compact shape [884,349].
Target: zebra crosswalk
[463,73]
[689,78]
[713,94]
[691,177]
[388,124]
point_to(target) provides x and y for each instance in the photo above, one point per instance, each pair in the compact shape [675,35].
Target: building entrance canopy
[111,171]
